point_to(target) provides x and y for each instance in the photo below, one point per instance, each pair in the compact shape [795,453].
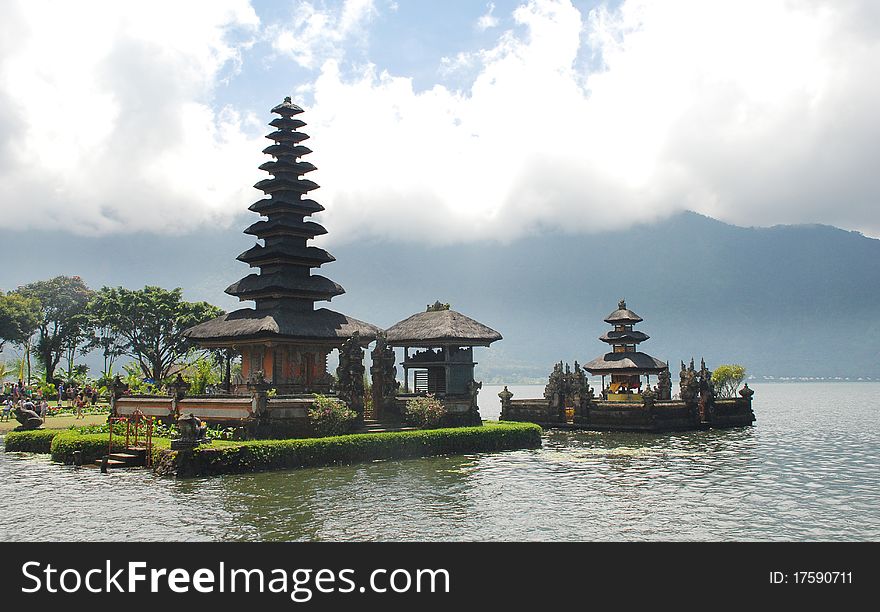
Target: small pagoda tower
[284,336]
[624,363]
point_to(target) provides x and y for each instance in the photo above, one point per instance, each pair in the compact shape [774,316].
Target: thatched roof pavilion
[438,326]
[446,366]
[284,336]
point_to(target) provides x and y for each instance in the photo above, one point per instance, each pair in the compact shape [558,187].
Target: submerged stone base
[670,415]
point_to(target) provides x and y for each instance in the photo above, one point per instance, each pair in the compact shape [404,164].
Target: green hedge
[261,455]
[93,446]
[31,441]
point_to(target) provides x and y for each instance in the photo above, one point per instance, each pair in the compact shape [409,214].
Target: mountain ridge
[787,300]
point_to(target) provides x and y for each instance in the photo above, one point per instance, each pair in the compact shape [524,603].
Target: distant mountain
[784,301]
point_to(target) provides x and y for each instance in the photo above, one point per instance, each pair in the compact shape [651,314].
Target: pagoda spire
[285,259]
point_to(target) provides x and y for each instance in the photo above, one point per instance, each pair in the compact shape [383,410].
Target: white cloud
[316,36]
[487,20]
[755,112]
[105,120]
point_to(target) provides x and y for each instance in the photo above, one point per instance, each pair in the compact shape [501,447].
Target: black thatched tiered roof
[285,260]
[624,359]
[284,290]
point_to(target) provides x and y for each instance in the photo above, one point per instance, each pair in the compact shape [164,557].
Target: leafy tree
[224,357]
[728,378]
[202,372]
[19,318]
[63,301]
[102,334]
[79,333]
[151,322]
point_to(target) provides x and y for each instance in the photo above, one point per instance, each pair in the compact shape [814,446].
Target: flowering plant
[425,412]
[330,417]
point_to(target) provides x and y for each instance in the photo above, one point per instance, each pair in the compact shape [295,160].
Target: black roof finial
[287,100]
[621,305]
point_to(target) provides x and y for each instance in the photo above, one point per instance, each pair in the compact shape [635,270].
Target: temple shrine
[284,342]
[624,363]
[284,337]
[629,403]
[442,362]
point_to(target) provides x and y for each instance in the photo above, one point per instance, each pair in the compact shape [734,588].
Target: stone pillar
[350,374]
[384,378]
[505,396]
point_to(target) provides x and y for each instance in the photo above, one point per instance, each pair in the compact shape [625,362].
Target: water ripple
[809,470]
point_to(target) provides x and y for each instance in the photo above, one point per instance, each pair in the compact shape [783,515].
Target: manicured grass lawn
[57,422]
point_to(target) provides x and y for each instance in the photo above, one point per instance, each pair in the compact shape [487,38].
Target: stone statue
[27,416]
[664,385]
[746,392]
[649,396]
[473,388]
[706,391]
[350,374]
[191,431]
[118,387]
[179,387]
[554,391]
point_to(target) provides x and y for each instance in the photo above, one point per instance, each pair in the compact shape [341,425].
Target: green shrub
[425,412]
[93,446]
[33,441]
[330,417]
[727,378]
[261,455]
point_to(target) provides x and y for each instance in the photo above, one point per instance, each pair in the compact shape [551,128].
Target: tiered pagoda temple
[624,363]
[628,403]
[284,336]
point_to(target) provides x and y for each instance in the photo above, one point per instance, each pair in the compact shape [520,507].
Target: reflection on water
[809,470]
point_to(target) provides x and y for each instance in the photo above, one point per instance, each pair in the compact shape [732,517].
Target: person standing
[44,409]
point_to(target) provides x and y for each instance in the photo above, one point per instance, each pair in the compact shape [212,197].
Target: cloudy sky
[439,121]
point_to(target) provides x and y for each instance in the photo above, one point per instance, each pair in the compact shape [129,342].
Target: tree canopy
[152,321]
[727,379]
[19,318]
[62,303]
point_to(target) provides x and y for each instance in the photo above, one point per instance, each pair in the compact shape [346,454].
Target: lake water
[808,470]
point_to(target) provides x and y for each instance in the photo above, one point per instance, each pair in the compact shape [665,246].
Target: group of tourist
[77,397]
[17,394]
[40,407]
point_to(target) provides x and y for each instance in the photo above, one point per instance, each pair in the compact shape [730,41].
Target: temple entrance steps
[374,426]
[130,457]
